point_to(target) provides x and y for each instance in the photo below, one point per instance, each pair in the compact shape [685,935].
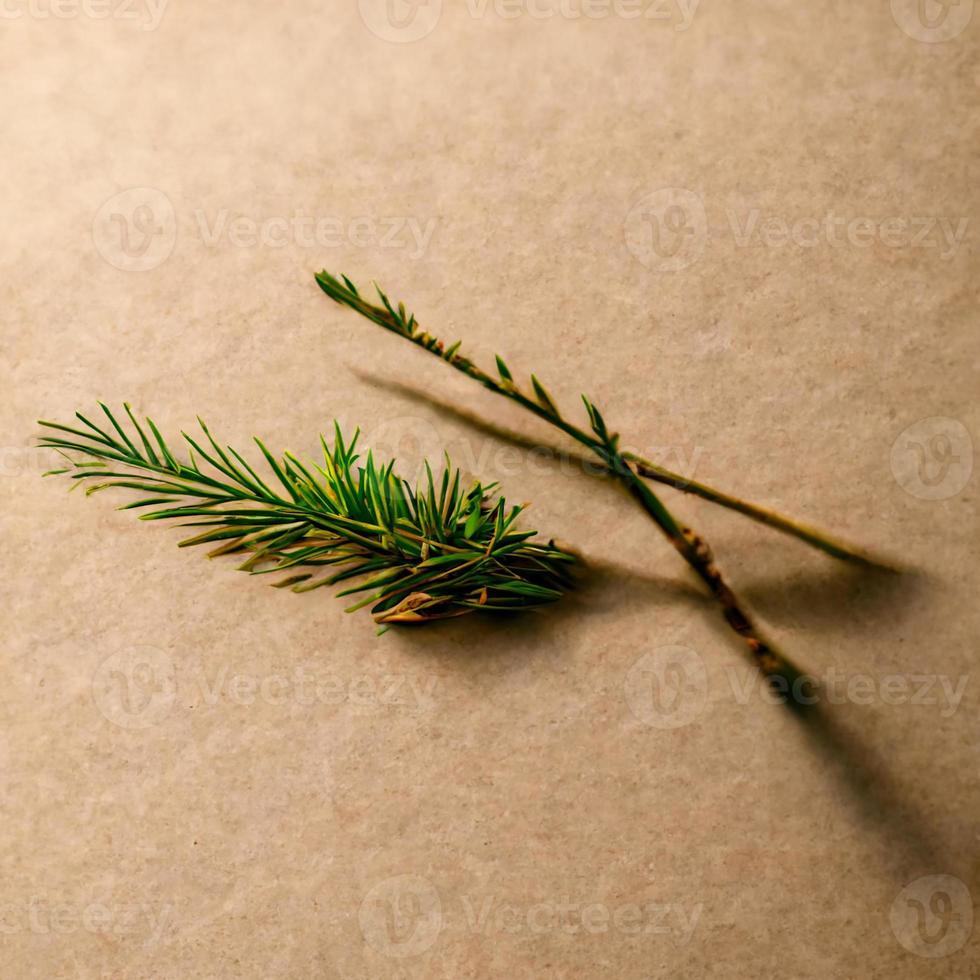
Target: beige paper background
[176,803]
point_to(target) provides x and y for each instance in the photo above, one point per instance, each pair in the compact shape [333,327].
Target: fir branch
[626,467]
[424,553]
[397,322]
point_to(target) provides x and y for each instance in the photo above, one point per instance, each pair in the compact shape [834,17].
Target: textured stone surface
[749,232]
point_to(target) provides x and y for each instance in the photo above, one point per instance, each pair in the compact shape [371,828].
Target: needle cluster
[419,553]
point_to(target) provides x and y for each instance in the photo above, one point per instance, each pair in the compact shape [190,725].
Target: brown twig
[604,444]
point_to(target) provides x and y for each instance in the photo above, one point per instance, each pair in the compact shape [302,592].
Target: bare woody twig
[627,468]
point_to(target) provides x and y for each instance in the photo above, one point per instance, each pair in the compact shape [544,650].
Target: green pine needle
[423,553]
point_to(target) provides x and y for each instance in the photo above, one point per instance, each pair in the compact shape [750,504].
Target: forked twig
[630,469]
